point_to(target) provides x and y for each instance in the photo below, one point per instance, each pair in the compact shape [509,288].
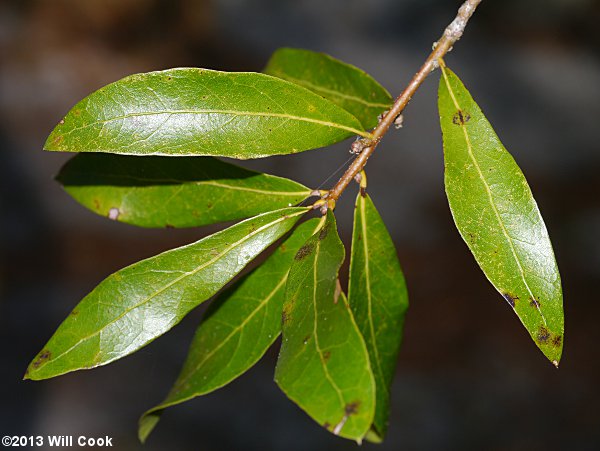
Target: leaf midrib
[369,295]
[491,198]
[317,346]
[224,112]
[169,285]
[185,182]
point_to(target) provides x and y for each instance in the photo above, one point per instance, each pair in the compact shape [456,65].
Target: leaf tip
[38,362]
[146,425]
[374,436]
[56,137]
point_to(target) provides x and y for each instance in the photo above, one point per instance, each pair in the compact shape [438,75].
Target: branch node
[359,145]
[399,121]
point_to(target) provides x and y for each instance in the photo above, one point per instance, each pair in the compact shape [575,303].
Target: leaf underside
[323,364]
[497,216]
[345,85]
[190,111]
[238,328]
[137,304]
[378,298]
[174,192]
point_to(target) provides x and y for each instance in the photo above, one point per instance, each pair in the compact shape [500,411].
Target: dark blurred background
[469,376]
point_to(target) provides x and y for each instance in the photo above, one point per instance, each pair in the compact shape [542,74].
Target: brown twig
[452,33]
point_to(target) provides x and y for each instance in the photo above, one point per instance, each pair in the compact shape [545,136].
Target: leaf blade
[344,84]
[188,111]
[378,298]
[251,307]
[173,192]
[137,304]
[323,364]
[513,247]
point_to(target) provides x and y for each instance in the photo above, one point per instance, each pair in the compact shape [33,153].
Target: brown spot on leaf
[326,356]
[74,312]
[96,203]
[285,313]
[543,334]
[169,226]
[283,247]
[77,112]
[461,118]
[556,341]
[323,233]
[534,302]
[44,355]
[352,408]
[327,425]
[304,251]
[511,298]
[363,191]
[57,140]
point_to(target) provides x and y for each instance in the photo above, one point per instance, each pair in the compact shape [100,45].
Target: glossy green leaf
[343,84]
[188,111]
[137,304]
[378,298]
[174,192]
[495,213]
[236,331]
[323,364]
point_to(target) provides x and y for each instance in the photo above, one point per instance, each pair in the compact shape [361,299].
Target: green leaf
[188,111]
[236,331]
[495,213]
[323,364]
[343,84]
[174,192]
[137,304]
[378,298]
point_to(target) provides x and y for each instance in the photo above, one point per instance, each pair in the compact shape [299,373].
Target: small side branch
[452,33]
